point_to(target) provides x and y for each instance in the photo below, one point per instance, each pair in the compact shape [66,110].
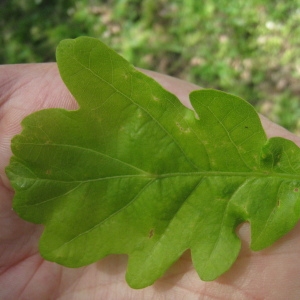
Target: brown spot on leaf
[151,233]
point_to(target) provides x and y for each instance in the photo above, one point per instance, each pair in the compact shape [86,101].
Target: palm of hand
[269,274]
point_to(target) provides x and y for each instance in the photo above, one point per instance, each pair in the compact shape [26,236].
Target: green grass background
[247,48]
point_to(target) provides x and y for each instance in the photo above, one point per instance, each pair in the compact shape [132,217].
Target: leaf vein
[145,110]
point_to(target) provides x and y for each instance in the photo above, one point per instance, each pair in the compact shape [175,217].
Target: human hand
[269,274]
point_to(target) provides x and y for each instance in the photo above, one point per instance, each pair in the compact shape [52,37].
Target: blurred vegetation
[247,48]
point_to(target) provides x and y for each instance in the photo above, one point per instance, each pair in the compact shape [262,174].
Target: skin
[269,274]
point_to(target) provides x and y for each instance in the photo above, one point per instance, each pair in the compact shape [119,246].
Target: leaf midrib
[205,173]
[199,174]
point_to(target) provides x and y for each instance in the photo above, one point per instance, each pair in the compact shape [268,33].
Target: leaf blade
[133,171]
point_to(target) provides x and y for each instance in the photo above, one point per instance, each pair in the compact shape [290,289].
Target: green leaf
[134,171]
